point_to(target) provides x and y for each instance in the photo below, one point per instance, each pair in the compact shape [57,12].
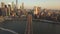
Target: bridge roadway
[29,27]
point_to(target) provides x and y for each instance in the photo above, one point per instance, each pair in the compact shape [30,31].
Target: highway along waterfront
[18,26]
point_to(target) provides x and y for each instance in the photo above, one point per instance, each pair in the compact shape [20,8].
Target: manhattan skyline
[50,4]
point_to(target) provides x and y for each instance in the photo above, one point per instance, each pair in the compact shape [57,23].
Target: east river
[17,26]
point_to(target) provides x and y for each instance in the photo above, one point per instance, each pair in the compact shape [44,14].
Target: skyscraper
[5,9]
[37,10]
[23,5]
[2,4]
[16,3]
[12,4]
[9,9]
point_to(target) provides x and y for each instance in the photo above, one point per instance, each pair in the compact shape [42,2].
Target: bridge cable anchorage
[29,25]
[8,30]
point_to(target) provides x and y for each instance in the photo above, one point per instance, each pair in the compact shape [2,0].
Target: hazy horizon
[50,4]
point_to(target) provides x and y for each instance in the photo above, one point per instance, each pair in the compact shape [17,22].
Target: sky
[50,4]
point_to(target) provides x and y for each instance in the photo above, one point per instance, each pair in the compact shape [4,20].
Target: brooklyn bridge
[28,25]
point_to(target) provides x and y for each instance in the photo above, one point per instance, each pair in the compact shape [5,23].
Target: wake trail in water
[8,30]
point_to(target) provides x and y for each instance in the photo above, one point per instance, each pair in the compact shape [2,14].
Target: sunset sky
[50,4]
